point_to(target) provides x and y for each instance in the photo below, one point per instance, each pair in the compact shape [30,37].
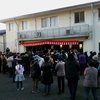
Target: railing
[61,32]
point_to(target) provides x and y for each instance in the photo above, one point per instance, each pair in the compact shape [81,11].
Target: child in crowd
[19,69]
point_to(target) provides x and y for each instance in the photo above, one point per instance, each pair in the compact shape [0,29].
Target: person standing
[19,78]
[95,59]
[41,61]
[99,57]
[24,62]
[4,63]
[60,69]
[82,62]
[72,74]
[7,50]
[35,73]
[9,63]
[47,78]
[90,81]
[15,59]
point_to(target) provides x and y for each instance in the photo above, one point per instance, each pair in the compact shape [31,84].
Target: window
[11,27]
[99,13]
[25,25]
[49,22]
[54,21]
[79,17]
[44,22]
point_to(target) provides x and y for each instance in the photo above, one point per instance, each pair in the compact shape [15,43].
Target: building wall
[11,37]
[65,19]
[2,43]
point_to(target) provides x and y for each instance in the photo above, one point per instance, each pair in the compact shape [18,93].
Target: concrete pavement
[8,90]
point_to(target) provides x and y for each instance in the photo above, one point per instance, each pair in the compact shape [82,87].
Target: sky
[13,8]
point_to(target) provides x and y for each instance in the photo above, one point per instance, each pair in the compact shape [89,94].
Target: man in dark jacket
[72,75]
[15,59]
[47,78]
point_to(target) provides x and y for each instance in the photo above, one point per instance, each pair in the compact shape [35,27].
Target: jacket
[9,61]
[72,70]
[36,69]
[47,77]
[60,68]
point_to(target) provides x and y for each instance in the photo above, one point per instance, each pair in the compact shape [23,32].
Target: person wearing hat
[96,65]
[35,73]
[95,59]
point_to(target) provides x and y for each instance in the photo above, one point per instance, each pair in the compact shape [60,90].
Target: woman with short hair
[90,81]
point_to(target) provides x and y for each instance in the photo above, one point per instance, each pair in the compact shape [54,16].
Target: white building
[2,41]
[69,27]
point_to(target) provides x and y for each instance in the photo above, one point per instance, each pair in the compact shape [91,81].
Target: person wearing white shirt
[41,61]
[9,63]
[19,78]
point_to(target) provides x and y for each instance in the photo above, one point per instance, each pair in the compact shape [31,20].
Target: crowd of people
[41,65]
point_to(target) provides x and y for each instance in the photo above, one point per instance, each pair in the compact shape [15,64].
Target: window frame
[25,25]
[44,22]
[55,20]
[11,27]
[78,18]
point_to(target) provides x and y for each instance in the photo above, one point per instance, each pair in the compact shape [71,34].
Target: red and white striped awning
[51,42]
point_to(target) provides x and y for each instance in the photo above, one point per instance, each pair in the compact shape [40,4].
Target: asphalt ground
[8,90]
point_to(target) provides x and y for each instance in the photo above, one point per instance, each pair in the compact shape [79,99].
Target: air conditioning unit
[22,36]
[69,32]
[38,34]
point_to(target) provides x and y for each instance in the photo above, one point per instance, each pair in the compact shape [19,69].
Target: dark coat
[36,69]
[72,70]
[96,63]
[4,61]
[47,77]
[14,64]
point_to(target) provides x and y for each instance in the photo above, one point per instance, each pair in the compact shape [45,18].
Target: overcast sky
[12,8]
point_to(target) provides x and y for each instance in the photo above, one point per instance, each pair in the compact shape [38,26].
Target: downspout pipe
[17,34]
[93,34]
[70,19]
[35,25]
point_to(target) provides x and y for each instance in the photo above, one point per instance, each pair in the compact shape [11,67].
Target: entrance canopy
[51,42]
